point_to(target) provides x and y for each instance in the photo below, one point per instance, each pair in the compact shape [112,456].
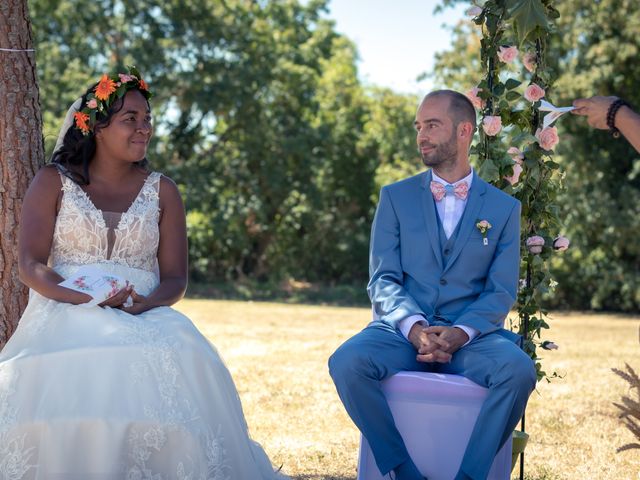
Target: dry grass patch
[278,353]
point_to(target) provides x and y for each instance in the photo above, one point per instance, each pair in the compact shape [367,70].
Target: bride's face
[128,134]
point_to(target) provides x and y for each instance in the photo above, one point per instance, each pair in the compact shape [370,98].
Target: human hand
[119,298]
[430,347]
[595,109]
[452,337]
[140,304]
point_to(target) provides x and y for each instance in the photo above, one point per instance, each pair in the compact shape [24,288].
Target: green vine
[513,152]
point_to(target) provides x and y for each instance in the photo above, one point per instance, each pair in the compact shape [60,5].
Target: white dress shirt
[450,210]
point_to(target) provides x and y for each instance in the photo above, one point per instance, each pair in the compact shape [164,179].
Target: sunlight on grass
[278,355]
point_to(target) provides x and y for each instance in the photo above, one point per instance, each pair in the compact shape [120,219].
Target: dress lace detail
[81,235]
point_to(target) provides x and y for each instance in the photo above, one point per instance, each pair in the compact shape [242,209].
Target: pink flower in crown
[535,244]
[561,243]
[548,138]
[124,78]
[508,54]
[492,125]
[529,61]
[473,11]
[472,95]
[93,103]
[534,92]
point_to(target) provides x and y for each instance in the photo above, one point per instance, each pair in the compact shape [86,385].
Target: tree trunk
[21,150]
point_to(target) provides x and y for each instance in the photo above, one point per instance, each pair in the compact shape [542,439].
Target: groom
[441,287]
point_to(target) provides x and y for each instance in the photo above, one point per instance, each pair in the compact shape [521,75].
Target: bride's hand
[140,304]
[118,299]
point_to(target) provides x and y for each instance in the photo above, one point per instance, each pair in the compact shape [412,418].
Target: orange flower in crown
[82,122]
[105,88]
[108,90]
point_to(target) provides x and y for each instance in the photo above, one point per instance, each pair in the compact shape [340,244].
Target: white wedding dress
[91,393]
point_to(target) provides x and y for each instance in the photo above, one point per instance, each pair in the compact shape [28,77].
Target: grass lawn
[277,354]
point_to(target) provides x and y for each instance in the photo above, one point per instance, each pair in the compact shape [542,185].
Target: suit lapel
[431,222]
[469,217]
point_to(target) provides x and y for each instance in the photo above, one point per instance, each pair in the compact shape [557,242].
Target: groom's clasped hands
[436,343]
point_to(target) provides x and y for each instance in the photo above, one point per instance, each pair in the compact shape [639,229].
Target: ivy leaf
[527,15]
[512,83]
[489,171]
[511,96]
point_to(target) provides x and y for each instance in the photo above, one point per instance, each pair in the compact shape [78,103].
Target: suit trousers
[379,351]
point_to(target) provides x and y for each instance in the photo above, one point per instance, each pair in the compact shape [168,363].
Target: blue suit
[415,270]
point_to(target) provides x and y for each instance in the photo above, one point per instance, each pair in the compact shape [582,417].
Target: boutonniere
[484,227]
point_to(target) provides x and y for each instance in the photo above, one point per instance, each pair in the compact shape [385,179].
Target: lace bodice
[82,236]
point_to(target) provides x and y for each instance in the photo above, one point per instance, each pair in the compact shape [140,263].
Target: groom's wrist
[406,324]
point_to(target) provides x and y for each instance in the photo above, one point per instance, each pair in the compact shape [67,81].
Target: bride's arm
[172,252]
[37,221]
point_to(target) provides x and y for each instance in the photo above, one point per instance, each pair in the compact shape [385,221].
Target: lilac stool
[435,414]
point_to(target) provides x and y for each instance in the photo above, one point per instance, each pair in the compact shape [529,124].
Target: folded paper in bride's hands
[93,281]
[555,112]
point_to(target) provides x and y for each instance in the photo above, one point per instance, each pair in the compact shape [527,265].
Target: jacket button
[443,281]
[447,251]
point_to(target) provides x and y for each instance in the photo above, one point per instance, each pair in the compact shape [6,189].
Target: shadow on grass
[290,291]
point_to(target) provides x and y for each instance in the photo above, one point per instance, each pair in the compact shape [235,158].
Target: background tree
[260,118]
[21,150]
[597,46]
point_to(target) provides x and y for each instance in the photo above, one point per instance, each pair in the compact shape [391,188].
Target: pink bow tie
[461,190]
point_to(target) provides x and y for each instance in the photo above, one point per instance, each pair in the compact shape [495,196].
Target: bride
[127,389]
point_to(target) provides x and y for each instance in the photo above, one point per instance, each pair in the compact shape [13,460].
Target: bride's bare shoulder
[46,186]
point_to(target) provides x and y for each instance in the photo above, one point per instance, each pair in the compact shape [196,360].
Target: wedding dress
[91,393]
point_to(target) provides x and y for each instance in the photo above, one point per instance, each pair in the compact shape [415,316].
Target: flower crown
[107,91]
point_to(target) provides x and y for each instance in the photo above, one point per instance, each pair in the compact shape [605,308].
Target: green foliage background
[280,151]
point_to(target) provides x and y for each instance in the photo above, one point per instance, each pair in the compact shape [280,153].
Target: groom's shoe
[406,471]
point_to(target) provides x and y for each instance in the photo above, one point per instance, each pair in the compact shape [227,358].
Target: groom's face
[436,136]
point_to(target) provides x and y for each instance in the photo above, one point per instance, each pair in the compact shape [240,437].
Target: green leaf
[122,89]
[489,171]
[512,83]
[527,15]
[511,96]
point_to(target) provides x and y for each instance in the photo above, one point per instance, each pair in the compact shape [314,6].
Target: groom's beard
[442,154]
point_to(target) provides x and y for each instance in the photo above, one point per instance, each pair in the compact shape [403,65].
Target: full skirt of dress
[95,393]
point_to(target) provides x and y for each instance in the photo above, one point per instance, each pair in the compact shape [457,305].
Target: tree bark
[21,150]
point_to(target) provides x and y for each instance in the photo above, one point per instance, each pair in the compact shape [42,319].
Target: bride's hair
[77,150]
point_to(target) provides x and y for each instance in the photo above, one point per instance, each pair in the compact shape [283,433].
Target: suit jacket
[477,284]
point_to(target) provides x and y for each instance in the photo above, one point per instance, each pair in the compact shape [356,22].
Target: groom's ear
[466,130]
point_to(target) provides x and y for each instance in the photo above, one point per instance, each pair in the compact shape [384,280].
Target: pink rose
[561,243]
[492,125]
[529,61]
[93,103]
[474,11]
[548,138]
[534,92]
[472,95]
[535,244]
[508,54]
[483,225]
[124,78]
[516,154]
[517,171]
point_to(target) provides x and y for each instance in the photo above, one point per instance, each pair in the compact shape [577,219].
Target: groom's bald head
[460,107]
